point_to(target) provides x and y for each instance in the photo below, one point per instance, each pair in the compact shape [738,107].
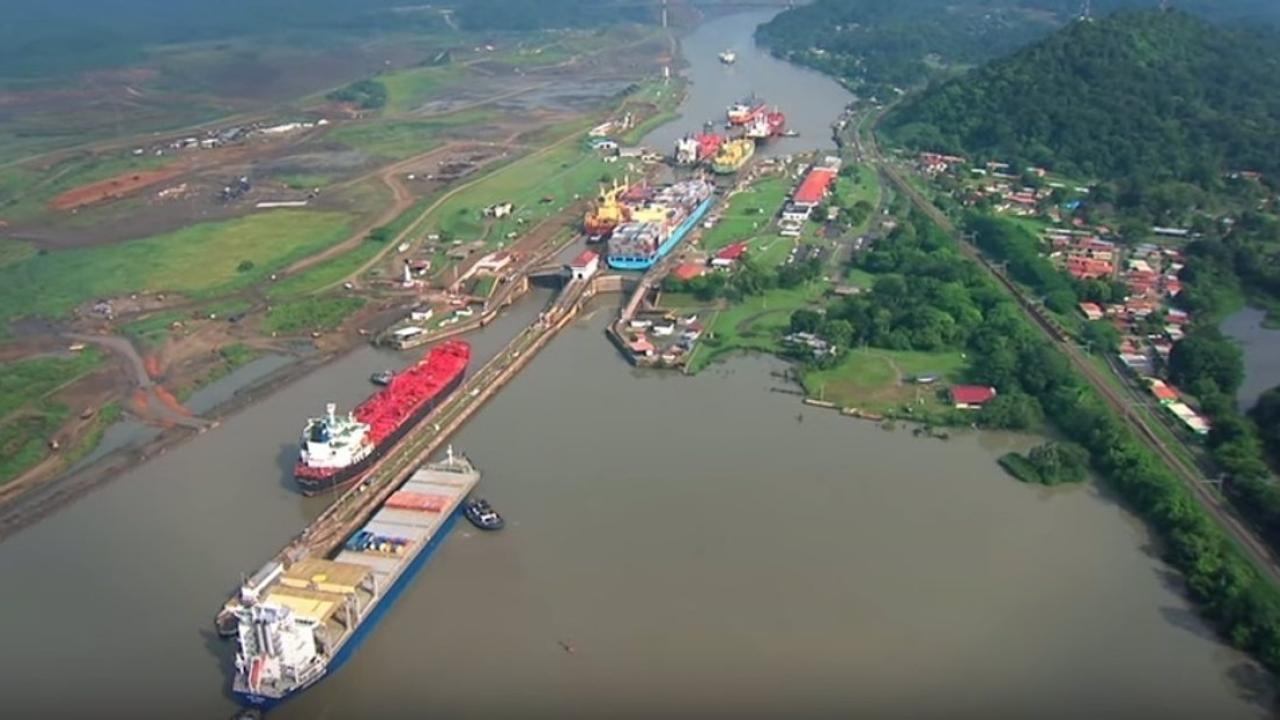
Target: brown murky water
[703,544]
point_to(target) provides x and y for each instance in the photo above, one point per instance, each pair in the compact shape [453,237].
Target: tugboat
[482,515]
[382,378]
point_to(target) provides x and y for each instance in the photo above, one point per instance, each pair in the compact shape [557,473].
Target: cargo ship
[745,110]
[296,622]
[659,224]
[607,213]
[697,148]
[733,155]
[337,450]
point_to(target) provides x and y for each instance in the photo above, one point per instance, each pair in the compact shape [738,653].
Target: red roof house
[687,271]
[732,252]
[968,397]
[813,187]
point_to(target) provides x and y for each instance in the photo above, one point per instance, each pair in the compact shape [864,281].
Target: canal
[704,545]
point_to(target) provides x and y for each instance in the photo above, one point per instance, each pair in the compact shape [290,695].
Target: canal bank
[702,544]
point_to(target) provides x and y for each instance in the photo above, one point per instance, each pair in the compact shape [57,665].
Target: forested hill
[1147,95]
[904,42]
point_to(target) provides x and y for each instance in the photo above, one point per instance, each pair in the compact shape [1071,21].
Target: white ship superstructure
[300,620]
[333,442]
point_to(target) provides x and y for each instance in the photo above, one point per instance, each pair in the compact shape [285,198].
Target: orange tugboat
[607,214]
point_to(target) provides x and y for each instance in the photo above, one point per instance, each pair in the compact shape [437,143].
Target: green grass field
[538,186]
[324,274]
[408,89]
[308,314]
[198,260]
[24,192]
[757,323]
[24,439]
[304,181]
[872,379]
[397,139]
[749,214]
[26,381]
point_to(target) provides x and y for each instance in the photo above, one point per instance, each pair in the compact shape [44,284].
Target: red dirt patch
[113,187]
[170,401]
[152,365]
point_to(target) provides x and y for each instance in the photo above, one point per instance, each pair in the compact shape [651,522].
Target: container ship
[659,224]
[697,148]
[745,110]
[297,622]
[337,450]
[733,155]
[607,213]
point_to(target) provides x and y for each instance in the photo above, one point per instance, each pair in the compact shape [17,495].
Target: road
[1245,538]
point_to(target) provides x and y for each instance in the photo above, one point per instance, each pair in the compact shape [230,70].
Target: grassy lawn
[28,380]
[198,260]
[757,323]
[326,273]
[395,139]
[538,186]
[858,277]
[749,214]
[304,181]
[872,379]
[408,89]
[308,314]
[15,251]
[24,439]
[24,192]
[152,330]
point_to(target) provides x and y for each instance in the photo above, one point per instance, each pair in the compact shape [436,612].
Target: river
[706,546]
[1261,348]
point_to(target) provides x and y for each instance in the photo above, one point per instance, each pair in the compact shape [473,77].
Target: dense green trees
[1049,464]
[1267,416]
[882,43]
[365,94]
[1159,101]
[1206,355]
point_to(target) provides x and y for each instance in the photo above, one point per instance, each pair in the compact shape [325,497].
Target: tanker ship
[337,450]
[298,621]
[733,155]
[745,110]
[659,224]
[766,125]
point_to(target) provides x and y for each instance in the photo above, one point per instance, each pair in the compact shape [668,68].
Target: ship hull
[384,603]
[349,475]
[630,263]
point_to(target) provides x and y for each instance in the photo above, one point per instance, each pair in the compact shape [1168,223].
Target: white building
[584,266]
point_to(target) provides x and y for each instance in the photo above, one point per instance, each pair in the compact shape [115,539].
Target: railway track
[1244,537]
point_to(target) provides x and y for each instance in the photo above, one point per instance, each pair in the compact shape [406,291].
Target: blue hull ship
[638,245]
[307,619]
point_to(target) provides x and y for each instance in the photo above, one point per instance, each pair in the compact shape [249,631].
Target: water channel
[706,545]
[1261,346]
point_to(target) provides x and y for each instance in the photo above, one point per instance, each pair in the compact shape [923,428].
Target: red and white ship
[745,110]
[766,125]
[696,148]
[337,450]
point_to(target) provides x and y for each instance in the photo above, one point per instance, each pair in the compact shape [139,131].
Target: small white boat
[728,57]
